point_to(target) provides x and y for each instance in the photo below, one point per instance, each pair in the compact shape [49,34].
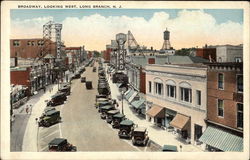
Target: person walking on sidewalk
[30,109]
[27,109]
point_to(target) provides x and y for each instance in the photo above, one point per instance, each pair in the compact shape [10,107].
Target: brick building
[224,107]
[30,48]
[207,53]
[107,54]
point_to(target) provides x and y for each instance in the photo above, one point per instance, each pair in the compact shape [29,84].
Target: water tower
[166,44]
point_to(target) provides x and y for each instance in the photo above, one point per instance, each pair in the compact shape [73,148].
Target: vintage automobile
[103,89]
[110,115]
[103,103]
[94,69]
[104,110]
[49,118]
[65,89]
[169,148]
[60,145]
[126,129]
[100,96]
[117,118]
[102,100]
[140,136]
[57,99]
[47,109]
[89,85]
[83,79]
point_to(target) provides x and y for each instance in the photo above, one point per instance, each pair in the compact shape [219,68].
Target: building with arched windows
[177,98]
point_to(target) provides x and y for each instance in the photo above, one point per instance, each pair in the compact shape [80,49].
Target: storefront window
[239,115]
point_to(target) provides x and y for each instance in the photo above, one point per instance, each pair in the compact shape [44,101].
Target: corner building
[177,98]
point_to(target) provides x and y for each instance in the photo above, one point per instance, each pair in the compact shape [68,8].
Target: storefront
[182,125]
[139,106]
[217,139]
[157,115]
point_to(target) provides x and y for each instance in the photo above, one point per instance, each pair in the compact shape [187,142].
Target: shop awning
[132,96]
[156,111]
[222,140]
[180,121]
[129,94]
[138,104]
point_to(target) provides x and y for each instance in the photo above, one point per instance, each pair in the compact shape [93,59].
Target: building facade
[30,48]
[229,53]
[176,96]
[207,53]
[224,107]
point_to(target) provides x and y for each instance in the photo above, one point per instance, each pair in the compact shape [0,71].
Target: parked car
[110,115]
[117,118]
[99,96]
[101,100]
[103,103]
[140,136]
[57,99]
[104,110]
[126,129]
[83,79]
[65,89]
[60,145]
[169,148]
[94,69]
[47,109]
[49,118]
[89,84]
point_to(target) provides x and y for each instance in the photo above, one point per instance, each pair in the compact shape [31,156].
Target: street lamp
[122,102]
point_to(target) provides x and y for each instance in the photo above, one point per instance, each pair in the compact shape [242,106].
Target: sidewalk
[156,134]
[38,104]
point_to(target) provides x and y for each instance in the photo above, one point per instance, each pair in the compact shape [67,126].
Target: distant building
[224,107]
[30,48]
[207,53]
[229,53]
[107,53]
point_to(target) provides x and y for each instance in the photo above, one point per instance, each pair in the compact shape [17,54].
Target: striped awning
[138,104]
[132,96]
[222,140]
[129,94]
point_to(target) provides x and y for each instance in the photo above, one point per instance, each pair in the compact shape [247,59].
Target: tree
[96,54]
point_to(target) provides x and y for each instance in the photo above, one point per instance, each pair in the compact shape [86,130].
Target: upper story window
[158,88]
[220,108]
[239,115]
[186,94]
[240,83]
[220,81]
[198,97]
[33,43]
[40,43]
[149,86]
[16,43]
[171,88]
[238,59]
[29,43]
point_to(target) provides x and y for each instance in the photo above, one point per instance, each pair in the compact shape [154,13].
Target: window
[32,43]
[186,94]
[171,91]
[239,115]
[220,107]
[29,43]
[219,59]
[40,43]
[238,59]
[220,81]
[149,86]
[198,95]
[158,88]
[16,43]
[240,83]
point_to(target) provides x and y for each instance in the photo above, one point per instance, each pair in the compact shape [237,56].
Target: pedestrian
[27,109]
[44,89]
[30,109]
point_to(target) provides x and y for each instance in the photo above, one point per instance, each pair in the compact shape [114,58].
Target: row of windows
[220,112]
[29,43]
[239,82]
[185,93]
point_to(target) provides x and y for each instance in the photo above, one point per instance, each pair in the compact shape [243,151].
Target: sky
[94,28]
